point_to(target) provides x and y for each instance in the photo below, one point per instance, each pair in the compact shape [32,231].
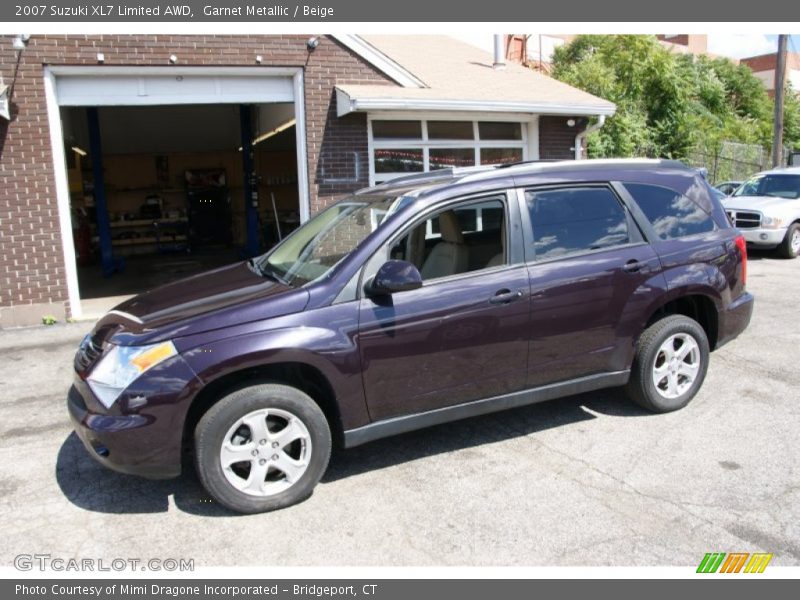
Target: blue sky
[741,46]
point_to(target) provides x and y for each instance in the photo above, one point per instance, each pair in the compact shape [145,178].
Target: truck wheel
[262,448]
[790,246]
[670,364]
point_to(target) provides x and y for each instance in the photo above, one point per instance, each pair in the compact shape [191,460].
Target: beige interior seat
[450,255]
[499,258]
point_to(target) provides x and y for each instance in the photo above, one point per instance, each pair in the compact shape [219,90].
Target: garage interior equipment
[163,192]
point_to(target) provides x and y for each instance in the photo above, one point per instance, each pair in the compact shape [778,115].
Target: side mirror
[394,276]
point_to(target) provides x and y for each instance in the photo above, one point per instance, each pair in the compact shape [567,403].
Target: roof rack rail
[533,161]
[447,173]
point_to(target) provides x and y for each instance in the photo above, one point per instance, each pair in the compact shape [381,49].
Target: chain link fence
[733,161]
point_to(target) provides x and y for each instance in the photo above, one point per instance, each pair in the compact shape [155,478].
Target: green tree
[791,119]
[668,104]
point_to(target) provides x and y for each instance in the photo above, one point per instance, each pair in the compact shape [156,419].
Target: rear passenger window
[573,220]
[672,215]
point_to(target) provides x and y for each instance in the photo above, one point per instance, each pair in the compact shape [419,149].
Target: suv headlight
[122,365]
[771,222]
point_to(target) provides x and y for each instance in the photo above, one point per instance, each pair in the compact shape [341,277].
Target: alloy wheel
[676,365]
[265,452]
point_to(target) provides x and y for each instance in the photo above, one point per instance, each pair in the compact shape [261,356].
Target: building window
[397,130]
[500,156]
[443,158]
[402,146]
[398,160]
[500,131]
[451,130]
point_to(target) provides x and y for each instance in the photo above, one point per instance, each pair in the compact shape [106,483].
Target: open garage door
[163,172]
[171,86]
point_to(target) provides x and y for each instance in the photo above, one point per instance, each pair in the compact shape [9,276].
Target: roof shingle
[458,76]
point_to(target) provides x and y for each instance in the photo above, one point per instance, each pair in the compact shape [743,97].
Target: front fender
[323,339]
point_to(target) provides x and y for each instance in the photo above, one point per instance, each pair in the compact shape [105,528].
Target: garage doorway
[156,178]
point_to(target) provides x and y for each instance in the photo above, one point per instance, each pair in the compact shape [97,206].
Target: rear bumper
[735,318]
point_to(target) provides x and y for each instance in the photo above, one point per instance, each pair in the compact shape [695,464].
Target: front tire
[790,246]
[262,448]
[670,364]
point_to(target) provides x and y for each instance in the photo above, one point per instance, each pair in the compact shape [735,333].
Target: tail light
[741,244]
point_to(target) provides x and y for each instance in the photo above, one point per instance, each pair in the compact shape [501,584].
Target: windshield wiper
[266,270]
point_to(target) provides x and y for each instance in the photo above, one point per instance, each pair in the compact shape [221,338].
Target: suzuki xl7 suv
[426,299]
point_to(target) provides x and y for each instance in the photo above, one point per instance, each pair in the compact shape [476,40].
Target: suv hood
[760,203]
[231,295]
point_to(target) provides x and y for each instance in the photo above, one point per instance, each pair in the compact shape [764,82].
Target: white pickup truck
[766,209]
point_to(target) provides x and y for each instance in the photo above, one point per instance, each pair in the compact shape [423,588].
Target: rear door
[591,275]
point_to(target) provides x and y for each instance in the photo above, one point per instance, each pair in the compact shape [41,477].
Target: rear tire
[790,246]
[670,364]
[262,448]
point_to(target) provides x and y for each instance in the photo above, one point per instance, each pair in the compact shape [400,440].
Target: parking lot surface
[587,480]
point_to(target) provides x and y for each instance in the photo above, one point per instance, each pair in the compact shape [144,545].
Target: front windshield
[779,186]
[316,247]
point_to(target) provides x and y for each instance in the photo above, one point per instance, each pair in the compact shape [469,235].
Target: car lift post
[252,245]
[99,193]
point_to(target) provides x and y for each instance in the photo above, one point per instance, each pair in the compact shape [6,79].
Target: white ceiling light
[79,150]
[271,132]
[277,130]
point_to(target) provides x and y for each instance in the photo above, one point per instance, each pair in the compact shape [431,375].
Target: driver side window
[459,239]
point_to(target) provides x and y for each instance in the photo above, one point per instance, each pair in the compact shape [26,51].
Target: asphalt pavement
[586,480]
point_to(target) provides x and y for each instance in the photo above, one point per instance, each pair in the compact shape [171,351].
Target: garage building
[132,160]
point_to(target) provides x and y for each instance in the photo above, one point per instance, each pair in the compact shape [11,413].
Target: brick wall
[556,138]
[32,267]
[764,62]
[768,62]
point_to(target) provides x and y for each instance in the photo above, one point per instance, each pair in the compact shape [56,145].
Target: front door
[464,334]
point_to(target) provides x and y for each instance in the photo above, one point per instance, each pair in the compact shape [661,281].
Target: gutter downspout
[601,119]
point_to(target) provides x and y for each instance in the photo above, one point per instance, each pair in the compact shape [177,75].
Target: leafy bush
[669,104]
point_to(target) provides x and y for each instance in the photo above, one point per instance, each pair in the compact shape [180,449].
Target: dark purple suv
[423,300]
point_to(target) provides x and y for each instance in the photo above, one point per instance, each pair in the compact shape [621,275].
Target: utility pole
[780,84]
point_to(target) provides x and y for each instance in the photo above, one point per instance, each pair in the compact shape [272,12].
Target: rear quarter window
[671,214]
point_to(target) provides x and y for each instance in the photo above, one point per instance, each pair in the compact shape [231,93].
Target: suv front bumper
[769,238]
[145,441]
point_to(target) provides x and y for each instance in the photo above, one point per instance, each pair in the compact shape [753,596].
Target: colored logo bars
[735,562]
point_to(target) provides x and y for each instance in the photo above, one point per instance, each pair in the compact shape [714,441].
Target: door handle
[505,296]
[633,266]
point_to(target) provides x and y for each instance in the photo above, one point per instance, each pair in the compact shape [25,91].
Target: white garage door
[110,86]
